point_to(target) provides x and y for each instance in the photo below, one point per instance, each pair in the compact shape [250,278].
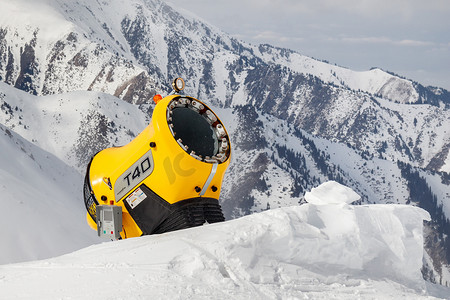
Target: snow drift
[322,251]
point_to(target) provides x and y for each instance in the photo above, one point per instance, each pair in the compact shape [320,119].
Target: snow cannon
[168,178]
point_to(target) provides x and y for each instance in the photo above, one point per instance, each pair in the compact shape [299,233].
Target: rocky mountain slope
[131,49]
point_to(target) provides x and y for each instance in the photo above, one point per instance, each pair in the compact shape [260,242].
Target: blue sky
[408,37]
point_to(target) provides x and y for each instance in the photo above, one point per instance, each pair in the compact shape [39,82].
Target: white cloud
[387,40]
[275,36]
[413,43]
[369,8]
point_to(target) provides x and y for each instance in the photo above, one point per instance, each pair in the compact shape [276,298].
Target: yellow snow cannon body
[168,178]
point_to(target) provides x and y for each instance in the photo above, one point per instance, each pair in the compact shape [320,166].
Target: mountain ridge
[84,19]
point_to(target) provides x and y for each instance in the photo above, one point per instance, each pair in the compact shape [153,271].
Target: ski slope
[43,212]
[326,249]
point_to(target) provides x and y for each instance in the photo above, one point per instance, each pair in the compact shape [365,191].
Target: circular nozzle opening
[198,130]
[194,131]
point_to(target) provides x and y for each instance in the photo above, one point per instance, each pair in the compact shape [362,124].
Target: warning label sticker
[136,197]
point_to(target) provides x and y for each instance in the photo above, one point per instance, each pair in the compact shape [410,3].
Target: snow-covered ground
[43,213]
[326,249]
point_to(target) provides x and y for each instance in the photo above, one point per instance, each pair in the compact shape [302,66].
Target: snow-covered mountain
[72,126]
[366,252]
[262,175]
[67,38]
[133,48]
[295,122]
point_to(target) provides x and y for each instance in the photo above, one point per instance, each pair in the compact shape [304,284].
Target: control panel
[109,221]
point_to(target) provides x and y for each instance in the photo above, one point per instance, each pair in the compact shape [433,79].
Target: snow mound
[331,192]
[310,251]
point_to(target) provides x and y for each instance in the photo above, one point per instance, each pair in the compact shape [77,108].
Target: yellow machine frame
[156,159]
